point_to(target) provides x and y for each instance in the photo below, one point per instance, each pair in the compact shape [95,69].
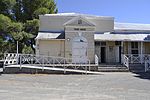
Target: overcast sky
[129,11]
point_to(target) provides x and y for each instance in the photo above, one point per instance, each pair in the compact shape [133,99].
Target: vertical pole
[17,53]
[64,70]
[145,66]
[86,69]
[141,52]
[89,66]
[17,47]
[122,51]
[20,60]
[42,63]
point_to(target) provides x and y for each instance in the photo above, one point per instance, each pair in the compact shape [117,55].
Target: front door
[118,54]
[79,50]
[103,54]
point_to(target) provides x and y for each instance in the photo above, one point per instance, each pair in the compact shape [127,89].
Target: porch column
[141,52]
[122,51]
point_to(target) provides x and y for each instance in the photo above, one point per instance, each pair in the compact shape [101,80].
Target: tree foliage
[32,26]
[30,9]
[5,22]
[19,22]
[6,7]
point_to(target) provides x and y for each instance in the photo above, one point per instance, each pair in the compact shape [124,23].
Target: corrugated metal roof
[107,36]
[131,32]
[79,14]
[48,35]
[122,37]
[131,26]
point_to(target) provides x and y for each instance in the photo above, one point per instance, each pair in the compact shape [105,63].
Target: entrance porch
[108,51]
[127,53]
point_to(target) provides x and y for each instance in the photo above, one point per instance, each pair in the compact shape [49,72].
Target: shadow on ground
[142,75]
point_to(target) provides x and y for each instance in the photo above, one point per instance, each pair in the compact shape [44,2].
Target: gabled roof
[73,20]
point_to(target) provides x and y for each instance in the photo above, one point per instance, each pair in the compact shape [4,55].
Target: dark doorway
[103,55]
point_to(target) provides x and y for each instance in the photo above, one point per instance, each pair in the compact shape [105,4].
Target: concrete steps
[112,68]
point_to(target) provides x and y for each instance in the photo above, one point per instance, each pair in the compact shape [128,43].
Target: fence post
[145,66]
[131,58]
[42,63]
[53,61]
[89,66]
[20,56]
[32,59]
[64,70]
[86,69]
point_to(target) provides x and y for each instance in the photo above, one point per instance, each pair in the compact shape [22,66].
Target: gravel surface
[107,86]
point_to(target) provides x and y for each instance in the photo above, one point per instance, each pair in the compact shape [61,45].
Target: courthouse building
[85,38]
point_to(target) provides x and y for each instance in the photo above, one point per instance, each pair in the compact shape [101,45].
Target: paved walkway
[107,86]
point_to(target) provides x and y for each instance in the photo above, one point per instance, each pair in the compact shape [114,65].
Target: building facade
[84,37]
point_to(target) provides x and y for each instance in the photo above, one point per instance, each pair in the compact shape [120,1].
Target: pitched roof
[81,18]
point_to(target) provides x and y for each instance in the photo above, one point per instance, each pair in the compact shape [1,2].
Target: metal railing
[137,58]
[147,65]
[96,60]
[42,60]
[10,58]
[125,61]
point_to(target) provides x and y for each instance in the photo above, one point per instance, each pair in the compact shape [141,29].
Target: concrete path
[107,86]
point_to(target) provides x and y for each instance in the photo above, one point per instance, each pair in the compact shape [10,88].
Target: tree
[19,22]
[5,22]
[11,32]
[6,7]
[30,9]
[27,50]
[32,26]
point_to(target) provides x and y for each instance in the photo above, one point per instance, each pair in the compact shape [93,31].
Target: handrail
[43,61]
[37,59]
[147,65]
[125,61]
[138,58]
[96,60]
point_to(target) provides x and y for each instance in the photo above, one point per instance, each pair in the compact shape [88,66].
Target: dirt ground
[107,86]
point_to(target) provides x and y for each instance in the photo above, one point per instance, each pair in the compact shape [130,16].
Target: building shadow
[142,75]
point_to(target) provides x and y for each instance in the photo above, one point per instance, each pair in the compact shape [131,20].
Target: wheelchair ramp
[52,69]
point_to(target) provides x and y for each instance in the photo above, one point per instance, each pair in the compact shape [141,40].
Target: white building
[81,37]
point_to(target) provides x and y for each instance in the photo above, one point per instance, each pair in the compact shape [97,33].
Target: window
[134,45]
[110,48]
[118,43]
[97,43]
[79,21]
[134,48]
[103,43]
